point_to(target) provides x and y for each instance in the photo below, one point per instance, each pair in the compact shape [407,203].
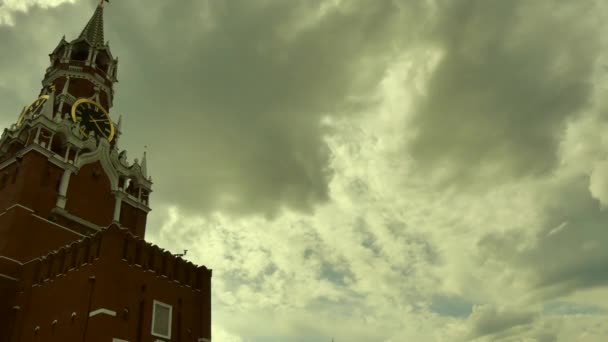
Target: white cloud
[8,8]
[598,182]
[375,256]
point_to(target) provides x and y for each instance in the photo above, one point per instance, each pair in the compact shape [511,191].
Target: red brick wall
[118,285]
[90,197]
[8,289]
[24,237]
[133,219]
[34,185]
[81,88]
[9,190]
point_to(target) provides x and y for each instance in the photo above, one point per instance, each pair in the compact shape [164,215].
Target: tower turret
[73,210]
[61,158]
[88,62]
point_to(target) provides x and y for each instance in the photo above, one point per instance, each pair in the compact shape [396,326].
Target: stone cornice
[52,157]
[76,219]
[58,225]
[132,201]
[4,276]
[11,260]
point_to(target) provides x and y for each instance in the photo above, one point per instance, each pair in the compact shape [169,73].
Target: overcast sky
[367,170]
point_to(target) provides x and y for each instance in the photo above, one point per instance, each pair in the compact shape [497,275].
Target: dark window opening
[80,52]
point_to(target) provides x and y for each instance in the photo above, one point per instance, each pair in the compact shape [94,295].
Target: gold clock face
[33,109]
[92,117]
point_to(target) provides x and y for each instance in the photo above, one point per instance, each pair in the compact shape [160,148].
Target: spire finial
[102,3]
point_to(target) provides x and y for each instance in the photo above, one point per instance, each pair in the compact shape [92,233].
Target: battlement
[136,252]
[70,258]
[151,258]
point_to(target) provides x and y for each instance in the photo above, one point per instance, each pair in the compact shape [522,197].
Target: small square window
[161,320]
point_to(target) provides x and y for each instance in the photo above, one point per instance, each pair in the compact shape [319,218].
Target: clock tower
[73,217]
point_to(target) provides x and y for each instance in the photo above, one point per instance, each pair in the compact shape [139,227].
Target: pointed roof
[93,32]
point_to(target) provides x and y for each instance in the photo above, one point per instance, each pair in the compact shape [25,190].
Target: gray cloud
[488,320]
[451,306]
[229,96]
[567,253]
[241,88]
[565,308]
[511,74]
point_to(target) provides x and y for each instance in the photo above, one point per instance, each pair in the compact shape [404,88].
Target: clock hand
[99,128]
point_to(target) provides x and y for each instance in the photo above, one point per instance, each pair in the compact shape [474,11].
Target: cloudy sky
[367,170]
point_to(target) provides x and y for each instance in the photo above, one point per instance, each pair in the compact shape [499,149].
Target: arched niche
[59,144]
[80,51]
[103,61]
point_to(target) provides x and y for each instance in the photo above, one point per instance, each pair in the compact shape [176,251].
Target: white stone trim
[117,206]
[202,339]
[103,311]
[61,201]
[154,304]
[132,201]
[34,147]
[57,225]
[63,188]
[11,259]
[20,206]
[101,154]
[77,219]
[8,277]
[118,340]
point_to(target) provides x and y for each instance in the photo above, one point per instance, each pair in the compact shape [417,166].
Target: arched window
[102,61]
[80,52]
[58,144]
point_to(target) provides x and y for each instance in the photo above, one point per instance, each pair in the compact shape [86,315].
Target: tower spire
[93,31]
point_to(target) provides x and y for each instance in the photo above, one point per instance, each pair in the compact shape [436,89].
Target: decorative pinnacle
[144,164]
